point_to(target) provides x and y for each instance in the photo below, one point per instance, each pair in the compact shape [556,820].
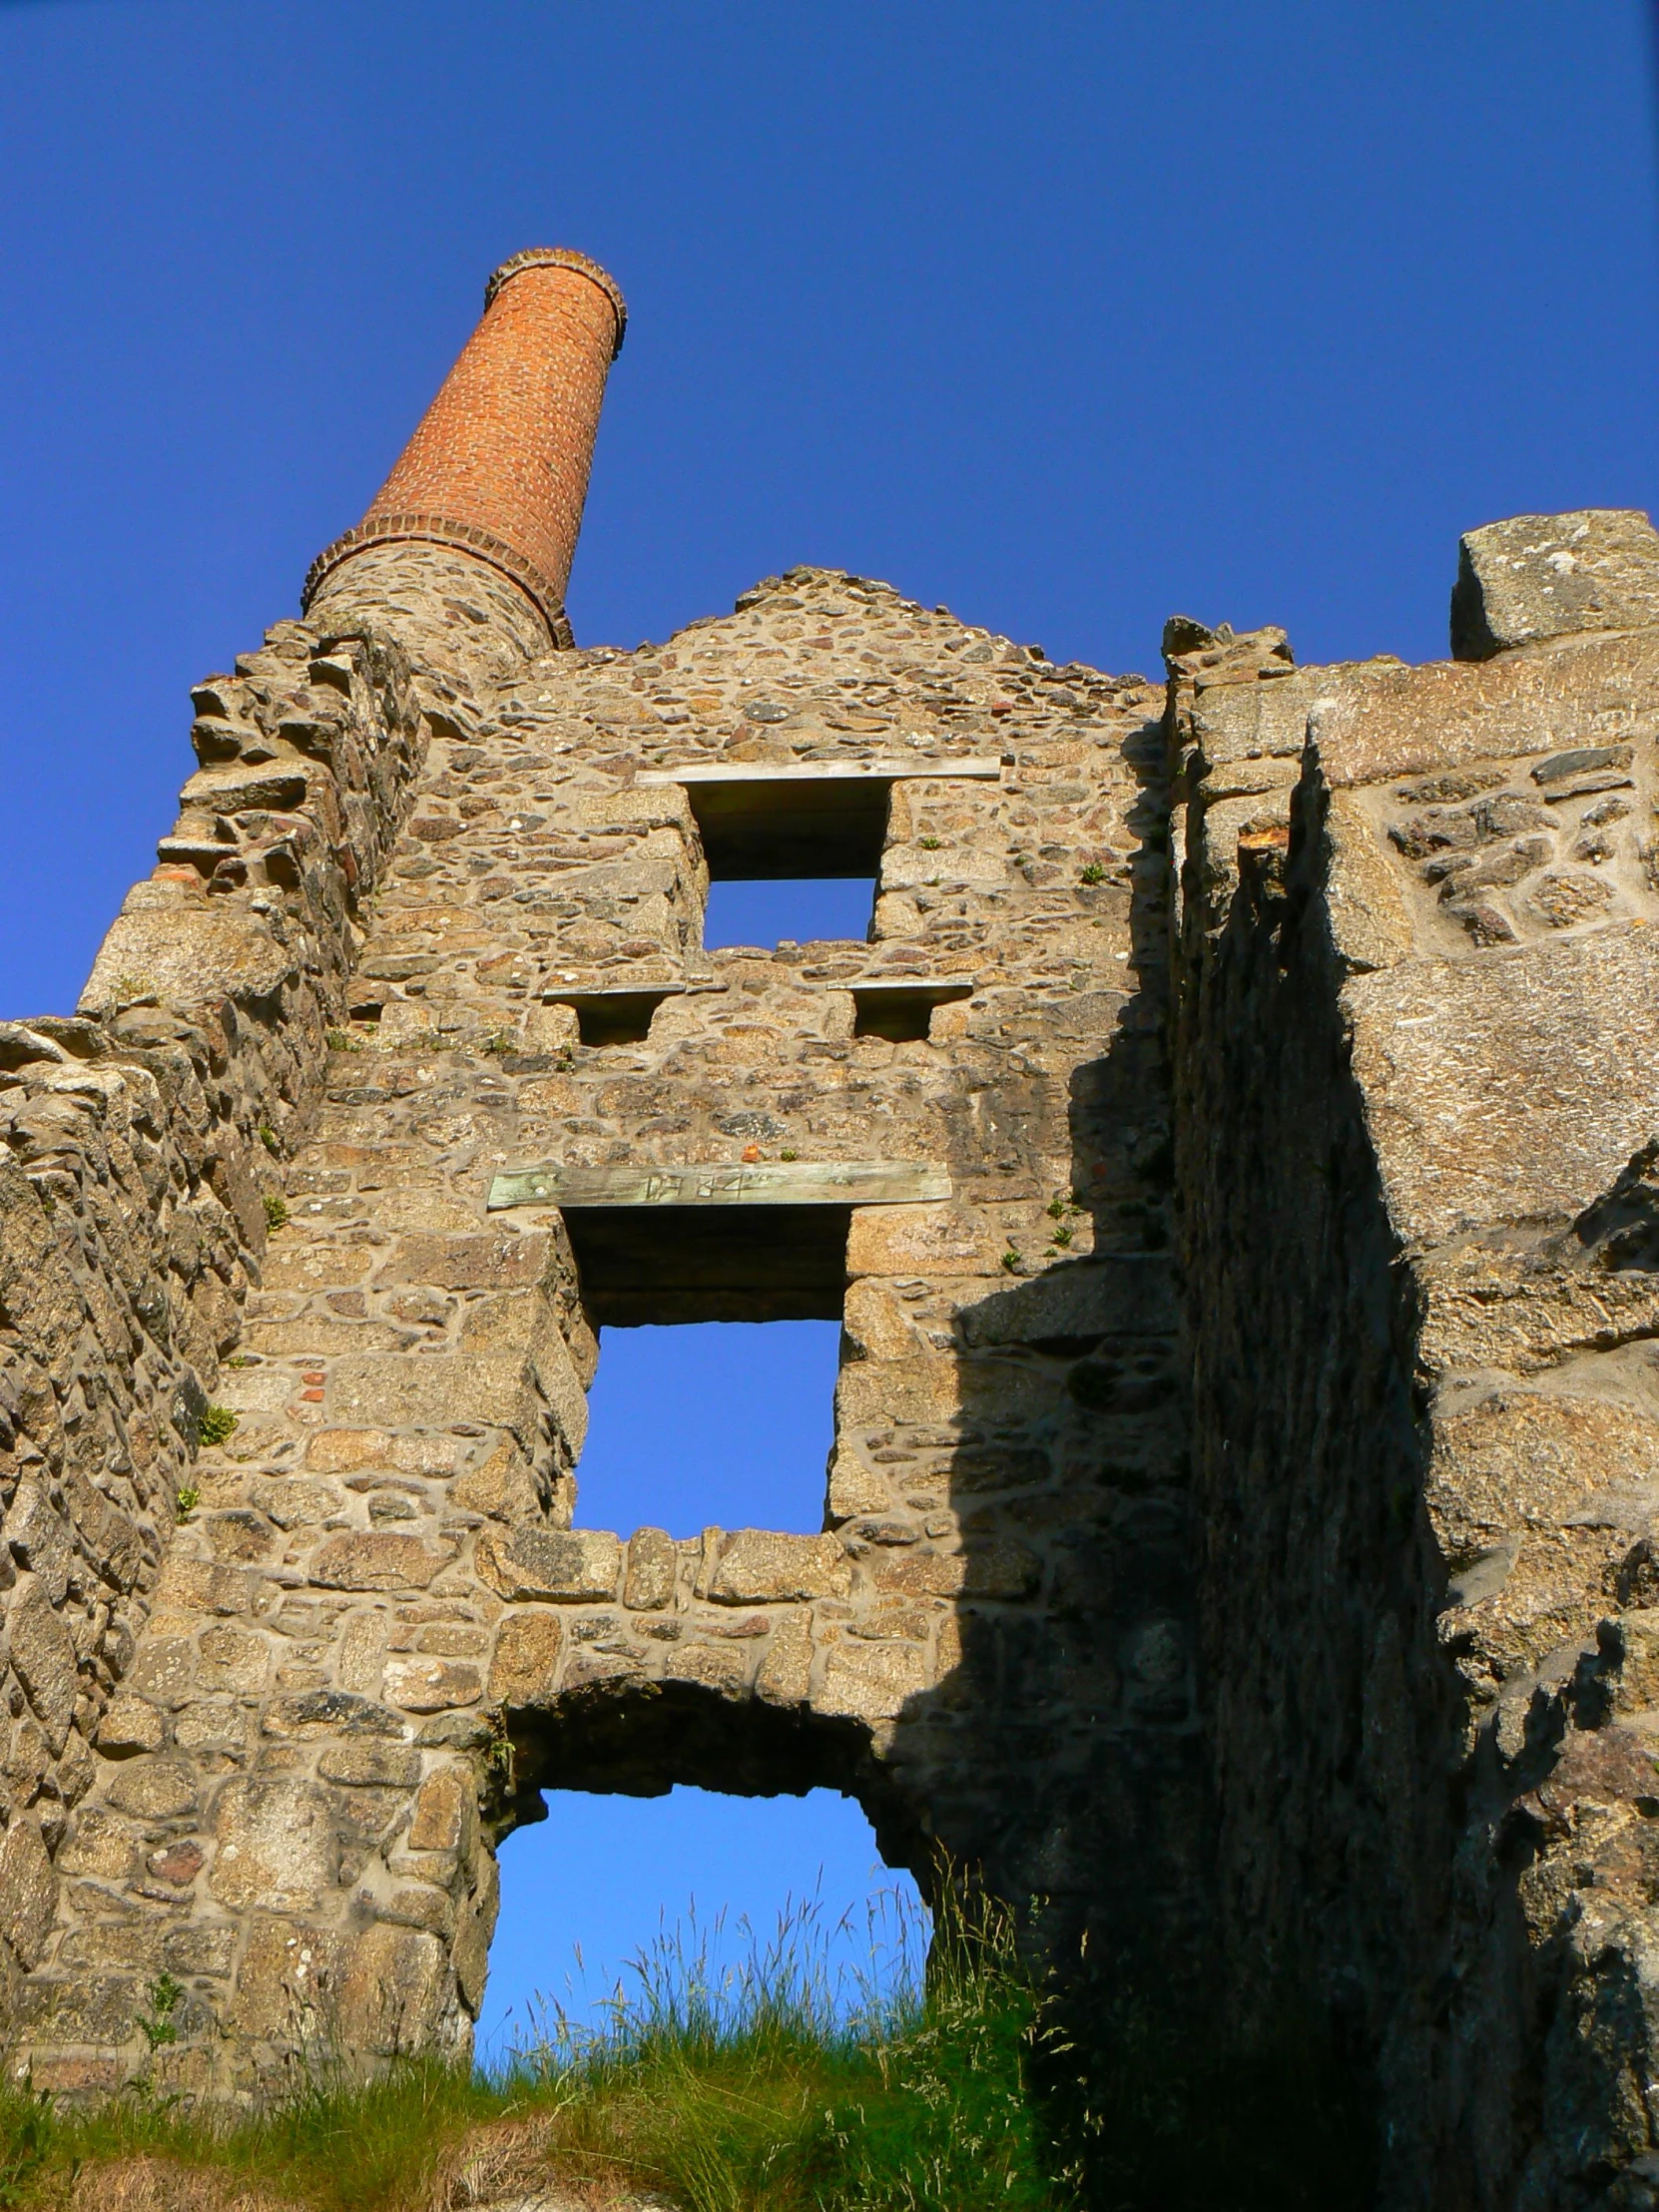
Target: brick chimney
[498,469]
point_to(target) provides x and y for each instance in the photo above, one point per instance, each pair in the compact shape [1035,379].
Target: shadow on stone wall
[1063,1755]
[1067,1759]
[1330,1710]
[643,1739]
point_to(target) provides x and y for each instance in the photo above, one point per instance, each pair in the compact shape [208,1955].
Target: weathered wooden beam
[769,1183]
[979,769]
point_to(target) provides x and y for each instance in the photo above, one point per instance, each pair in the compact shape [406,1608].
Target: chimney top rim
[563,257]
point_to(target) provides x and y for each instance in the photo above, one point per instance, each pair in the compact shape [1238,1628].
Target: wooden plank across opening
[764,824]
[767,1183]
[978,768]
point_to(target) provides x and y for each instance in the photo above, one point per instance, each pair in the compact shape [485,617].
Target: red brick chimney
[498,467]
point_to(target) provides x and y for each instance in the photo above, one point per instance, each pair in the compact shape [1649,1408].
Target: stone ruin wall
[139,1147]
[378,1636]
[1417,1099]
[1239,1528]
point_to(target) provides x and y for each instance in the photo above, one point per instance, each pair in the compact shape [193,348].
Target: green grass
[763,2087]
[769,2085]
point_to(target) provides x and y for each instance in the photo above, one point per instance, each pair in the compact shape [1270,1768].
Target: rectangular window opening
[810,825]
[712,1423]
[792,853]
[799,823]
[806,910]
[660,1245]
[611,1017]
[902,1011]
[645,1266]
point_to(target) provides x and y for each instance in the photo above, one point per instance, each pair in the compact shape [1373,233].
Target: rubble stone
[1542,576]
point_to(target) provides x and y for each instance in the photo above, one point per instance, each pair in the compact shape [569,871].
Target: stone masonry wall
[141,1138]
[382,1629]
[1345,1713]
[1417,1104]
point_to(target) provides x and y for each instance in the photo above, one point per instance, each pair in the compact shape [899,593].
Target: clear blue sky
[1067,316]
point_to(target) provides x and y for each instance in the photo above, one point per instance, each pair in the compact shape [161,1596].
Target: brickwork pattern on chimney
[498,467]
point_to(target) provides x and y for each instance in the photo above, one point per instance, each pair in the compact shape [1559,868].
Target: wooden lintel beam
[767,1183]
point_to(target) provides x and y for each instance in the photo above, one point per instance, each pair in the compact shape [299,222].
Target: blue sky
[1065,316]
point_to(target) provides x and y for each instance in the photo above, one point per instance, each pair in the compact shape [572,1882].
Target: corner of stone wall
[1415,1112]
[141,1150]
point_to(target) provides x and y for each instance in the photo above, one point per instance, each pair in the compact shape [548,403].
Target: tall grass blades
[782,2078]
[726,2074]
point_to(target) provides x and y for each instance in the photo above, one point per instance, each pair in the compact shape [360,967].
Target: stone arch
[640,1738]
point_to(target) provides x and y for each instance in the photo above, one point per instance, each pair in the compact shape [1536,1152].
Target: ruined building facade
[1231,1157]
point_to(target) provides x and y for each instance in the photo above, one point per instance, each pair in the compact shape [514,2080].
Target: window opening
[792,854]
[714,1423]
[798,911]
[805,822]
[723,1242]
[606,1879]
[902,1011]
[801,822]
[611,1017]
[645,1266]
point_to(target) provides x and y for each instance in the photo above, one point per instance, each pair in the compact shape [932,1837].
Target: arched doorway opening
[620,1895]
[640,1811]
